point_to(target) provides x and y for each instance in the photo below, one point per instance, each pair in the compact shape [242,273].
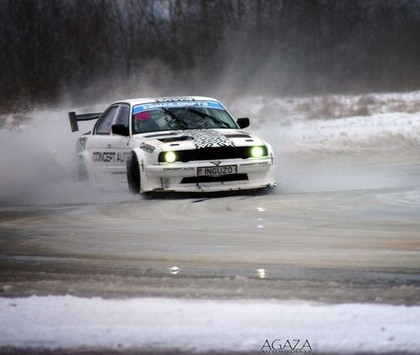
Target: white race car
[188,144]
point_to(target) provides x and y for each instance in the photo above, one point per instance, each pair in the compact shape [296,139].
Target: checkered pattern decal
[209,138]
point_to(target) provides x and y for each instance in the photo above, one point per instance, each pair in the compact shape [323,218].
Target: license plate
[217,170]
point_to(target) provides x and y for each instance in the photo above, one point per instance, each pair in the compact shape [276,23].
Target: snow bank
[204,325]
[288,110]
[380,132]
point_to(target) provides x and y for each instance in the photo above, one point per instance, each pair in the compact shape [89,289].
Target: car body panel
[208,159]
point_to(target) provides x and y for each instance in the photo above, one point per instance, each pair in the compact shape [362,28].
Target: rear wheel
[133,174]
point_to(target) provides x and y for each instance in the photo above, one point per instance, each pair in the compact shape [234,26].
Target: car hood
[199,139]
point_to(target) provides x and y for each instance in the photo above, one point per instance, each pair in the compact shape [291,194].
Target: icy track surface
[203,325]
[331,256]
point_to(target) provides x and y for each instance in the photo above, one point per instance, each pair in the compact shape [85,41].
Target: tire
[133,174]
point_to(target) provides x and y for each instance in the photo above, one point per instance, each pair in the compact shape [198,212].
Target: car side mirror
[243,122]
[120,129]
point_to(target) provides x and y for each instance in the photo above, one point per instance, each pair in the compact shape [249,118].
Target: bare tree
[277,47]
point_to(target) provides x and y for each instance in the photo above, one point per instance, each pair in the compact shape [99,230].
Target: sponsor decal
[109,157]
[248,164]
[142,116]
[208,138]
[254,164]
[170,99]
[147,147]
[179,169]
[176,104]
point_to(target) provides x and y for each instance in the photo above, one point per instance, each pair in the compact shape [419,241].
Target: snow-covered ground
[322,144]
[39,166]
[255,326]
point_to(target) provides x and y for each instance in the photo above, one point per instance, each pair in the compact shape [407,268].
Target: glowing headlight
[170,157]
[257,152]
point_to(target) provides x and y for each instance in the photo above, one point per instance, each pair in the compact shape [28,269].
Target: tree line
[86,49]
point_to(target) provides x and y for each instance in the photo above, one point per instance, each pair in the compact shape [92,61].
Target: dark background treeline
[91,49]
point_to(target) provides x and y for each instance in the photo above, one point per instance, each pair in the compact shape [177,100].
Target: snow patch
[202,325]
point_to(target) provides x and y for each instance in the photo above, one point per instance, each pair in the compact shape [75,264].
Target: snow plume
[38,161]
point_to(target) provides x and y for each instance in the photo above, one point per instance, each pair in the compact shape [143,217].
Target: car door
[120,145]
[108,151]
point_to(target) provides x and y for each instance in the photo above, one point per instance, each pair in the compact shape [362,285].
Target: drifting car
[176,144]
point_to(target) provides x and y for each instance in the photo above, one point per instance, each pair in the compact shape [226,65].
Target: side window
[123,115]
[105,123]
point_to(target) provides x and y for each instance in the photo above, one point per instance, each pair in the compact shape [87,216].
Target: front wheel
[133,174]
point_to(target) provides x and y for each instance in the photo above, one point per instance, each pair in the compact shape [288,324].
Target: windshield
[179,115]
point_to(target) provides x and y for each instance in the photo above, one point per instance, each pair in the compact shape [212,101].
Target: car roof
[144,100]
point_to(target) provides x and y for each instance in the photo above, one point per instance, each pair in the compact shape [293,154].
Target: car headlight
[258,152]
[170,157]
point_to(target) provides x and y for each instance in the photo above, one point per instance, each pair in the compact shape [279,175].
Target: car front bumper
[184,177]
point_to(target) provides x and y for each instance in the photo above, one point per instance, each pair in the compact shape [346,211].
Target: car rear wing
[83,117]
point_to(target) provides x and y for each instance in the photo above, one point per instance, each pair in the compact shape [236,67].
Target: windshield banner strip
[177,104]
